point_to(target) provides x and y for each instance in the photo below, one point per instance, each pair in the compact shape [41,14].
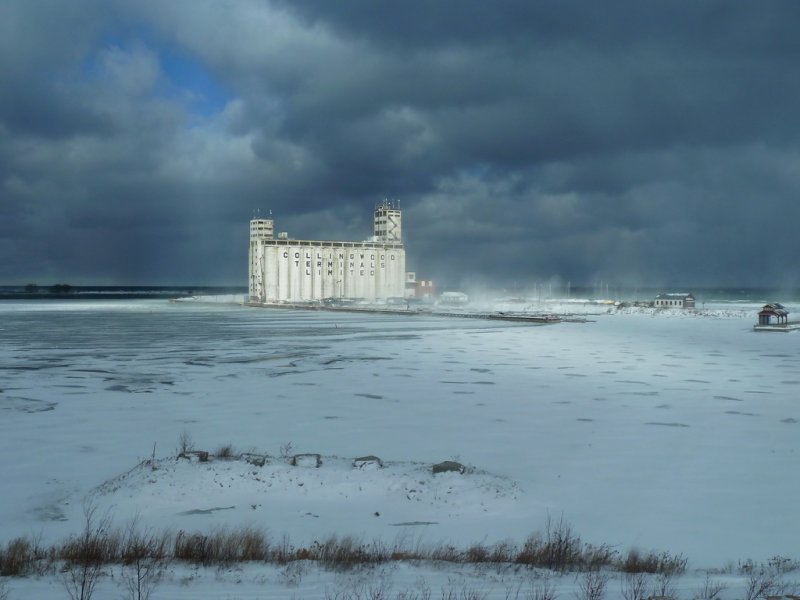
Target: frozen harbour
[657,429]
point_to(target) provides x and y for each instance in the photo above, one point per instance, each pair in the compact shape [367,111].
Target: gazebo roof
[774,308]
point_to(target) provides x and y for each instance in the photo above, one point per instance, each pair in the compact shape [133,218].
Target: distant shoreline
[714,295]
[115,292]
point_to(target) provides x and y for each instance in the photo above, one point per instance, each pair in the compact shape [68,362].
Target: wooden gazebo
[774,311]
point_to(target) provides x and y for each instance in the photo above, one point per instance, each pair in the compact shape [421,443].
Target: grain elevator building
[287,270]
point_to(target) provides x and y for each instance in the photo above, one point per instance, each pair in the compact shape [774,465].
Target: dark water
[110,292]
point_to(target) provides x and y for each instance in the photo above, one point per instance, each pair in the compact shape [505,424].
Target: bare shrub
[530,553]
[185,443]
[592,585]
[710,590]
[783,564]
[144,558]
[636,562]
[503,552]
[423,590]
[477,553]
[758,585]
[762,581]
[423,593]
[670,568]
[284,551]
[286,451]
[445,553]
[5,593]
[635,586]
[596,557]
[542,589]
[362,591]
[85,555]
[292,574]
[664,585]
[464,593]
[375,591]
[560,549]
[672,564]
[225,452]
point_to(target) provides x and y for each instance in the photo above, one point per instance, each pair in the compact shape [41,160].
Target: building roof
[674,296]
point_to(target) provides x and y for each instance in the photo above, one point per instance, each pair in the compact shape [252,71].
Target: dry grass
[17,557]
[222,546]
[652,562]
[561,549]
[557,549]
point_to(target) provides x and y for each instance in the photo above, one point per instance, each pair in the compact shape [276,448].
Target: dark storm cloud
[647,143]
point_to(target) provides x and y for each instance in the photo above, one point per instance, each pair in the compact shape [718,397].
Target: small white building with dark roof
[674,300]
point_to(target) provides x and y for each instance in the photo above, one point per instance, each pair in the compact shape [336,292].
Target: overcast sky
[648,143]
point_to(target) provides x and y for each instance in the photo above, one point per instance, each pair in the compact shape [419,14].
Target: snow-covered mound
[358,500]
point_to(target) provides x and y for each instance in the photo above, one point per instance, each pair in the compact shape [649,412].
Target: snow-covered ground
[658,429]
[303,580]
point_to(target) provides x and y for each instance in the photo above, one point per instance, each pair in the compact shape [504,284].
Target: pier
[538,319]
[784,327]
